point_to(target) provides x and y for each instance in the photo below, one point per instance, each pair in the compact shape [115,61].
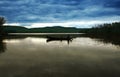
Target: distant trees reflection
[115,40]
[63,38]
[2,45]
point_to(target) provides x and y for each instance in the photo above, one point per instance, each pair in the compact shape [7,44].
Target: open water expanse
[58,56]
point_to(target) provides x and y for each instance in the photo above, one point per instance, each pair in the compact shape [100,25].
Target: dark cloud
[58,10]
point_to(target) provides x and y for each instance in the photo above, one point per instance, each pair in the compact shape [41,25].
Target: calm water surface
[80,57]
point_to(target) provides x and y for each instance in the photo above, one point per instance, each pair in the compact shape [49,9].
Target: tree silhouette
[106,29]
[2,21]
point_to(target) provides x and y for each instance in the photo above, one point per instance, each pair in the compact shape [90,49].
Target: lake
[63,56]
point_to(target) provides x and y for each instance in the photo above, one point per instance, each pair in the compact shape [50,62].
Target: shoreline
[45,33]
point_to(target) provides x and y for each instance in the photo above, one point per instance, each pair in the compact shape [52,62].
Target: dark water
[45,57]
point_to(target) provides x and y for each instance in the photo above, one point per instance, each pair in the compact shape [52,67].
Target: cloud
[11,24]
[78,24]
[46,11]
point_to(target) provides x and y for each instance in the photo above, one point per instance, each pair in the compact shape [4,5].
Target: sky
[67,13]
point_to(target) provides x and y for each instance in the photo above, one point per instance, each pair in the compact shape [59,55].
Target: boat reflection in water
[59,38]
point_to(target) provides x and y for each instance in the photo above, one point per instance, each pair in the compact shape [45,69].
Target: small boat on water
[56,38]
[59,38]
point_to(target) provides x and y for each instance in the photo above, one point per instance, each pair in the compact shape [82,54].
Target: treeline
[2,21]
[105,29]
[4,30]
[56,29]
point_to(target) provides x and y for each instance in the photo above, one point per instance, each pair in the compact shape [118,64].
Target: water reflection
[2,45]
[31,56]
[115,40]
[69,38]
